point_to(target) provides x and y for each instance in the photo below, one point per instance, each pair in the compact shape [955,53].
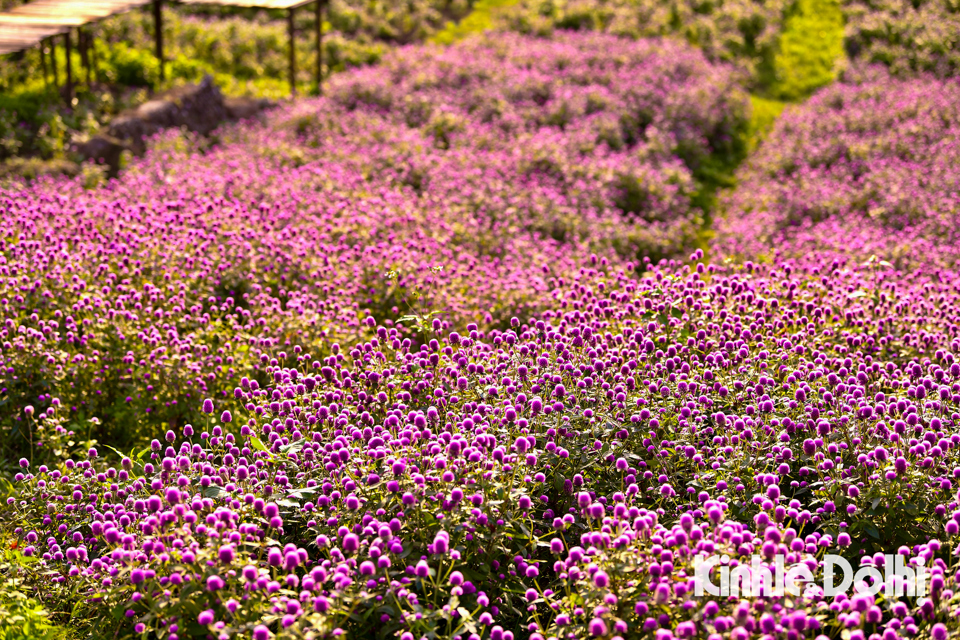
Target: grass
[763,114]
[810,50]
[477,21]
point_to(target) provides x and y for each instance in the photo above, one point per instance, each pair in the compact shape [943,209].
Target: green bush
[22,617]
[128,66]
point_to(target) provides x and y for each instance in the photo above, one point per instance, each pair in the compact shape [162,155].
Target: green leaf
[212,491]
[300,493]
[116,451]
[258,444]
[293,447]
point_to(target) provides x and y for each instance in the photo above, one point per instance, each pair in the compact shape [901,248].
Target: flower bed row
[553,479]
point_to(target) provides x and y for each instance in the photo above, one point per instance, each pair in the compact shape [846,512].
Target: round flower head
[226,554]
[597,627]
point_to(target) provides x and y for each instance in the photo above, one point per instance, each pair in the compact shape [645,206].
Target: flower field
[469,348]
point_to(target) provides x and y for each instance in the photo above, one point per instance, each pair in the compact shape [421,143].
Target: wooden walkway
[30,24]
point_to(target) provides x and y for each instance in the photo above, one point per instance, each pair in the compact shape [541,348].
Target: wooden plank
[26,31]
[19,37]
[41,21]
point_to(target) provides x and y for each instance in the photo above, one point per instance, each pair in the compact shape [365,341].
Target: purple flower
[422,570]
[597,627]
[274,557]
[351,542]
[226,554]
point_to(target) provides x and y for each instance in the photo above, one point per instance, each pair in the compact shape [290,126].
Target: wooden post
[293,52]
[53,63]
[319,30]
[158,34]
[66,44]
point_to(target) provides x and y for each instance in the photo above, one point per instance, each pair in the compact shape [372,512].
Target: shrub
[22,617]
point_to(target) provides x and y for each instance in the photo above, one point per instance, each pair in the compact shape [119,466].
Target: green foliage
[785,49]
[25,105]
[32,168]
[128,66]
[741,32]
